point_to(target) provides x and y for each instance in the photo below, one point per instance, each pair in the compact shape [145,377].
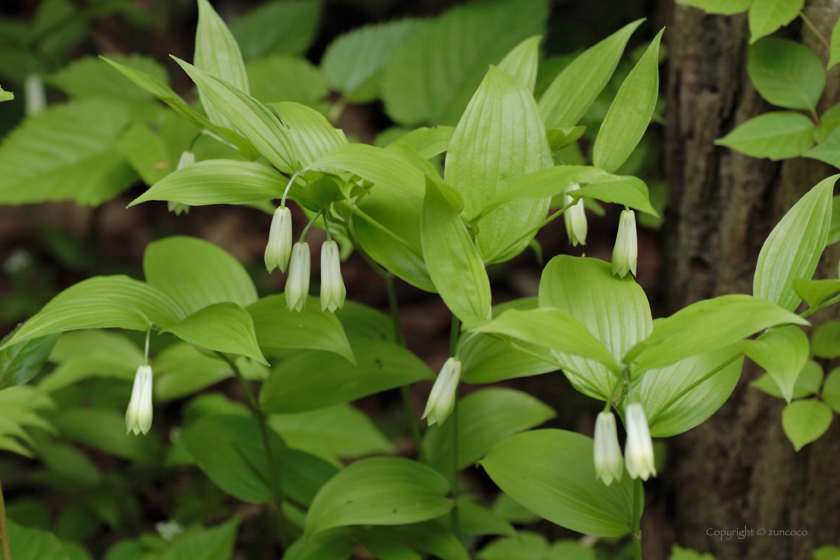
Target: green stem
[5,549]
[813,28]
[453,350]
[638,506]
[823,305]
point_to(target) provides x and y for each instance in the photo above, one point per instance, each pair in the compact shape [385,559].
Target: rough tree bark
[738,470]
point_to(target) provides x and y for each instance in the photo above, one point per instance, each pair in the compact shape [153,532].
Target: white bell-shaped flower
[34,97]
[187,158]
[442,398]
[609,464]
[279,240]
[297,284]
[638,453]
[138,417]
[575,218]
[332,285]
[626,247]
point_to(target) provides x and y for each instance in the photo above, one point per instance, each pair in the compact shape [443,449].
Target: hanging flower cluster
[638,451]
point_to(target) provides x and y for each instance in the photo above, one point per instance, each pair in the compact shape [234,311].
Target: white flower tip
[625,252]
[279,240]
[297,284]
[138,416]
[187,158]
[333,291]
[638,452]
[575,219]
[442,398]
[609,464]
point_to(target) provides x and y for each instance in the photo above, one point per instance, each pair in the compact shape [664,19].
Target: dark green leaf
[284,27]
[215,543]
[286,78]
[826,340]
[28,543]
[831,390]
[91,77]
[22,361]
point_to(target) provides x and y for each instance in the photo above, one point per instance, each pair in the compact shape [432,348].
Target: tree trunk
[737,470]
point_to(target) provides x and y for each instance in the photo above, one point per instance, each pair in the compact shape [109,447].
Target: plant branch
[813,28]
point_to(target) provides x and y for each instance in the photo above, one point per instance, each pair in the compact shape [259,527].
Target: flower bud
[609,465]
[575,218]
[638,453]
[442,398]
[626,247]
[34,97]
[138,417]
[279,240]
[332,285]
[297,284]
[187,158]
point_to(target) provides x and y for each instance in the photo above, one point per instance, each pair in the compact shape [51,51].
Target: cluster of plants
[485,153]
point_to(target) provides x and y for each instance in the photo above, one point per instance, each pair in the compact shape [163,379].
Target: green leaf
[334,433]
[215,543]
[614,310]
[426,142]
[22,361]
[223,327]
[552,328]
[454,264]
[220,181]
[827,553]
[6,95]
[182,370]
[229,449]
[311,380]
[571,550]
[414,542]
[828,150]
[26,542]
[217,54]
[766,16]
[485,418]
[831,390]
[524,546]
[165,94]
[681,396]
[286,78]
[354,60]
[726,7]
[601,185]
[66,153]
[630,112]
[379,491]
[102,302]
[786,73]
[381,167]
[91,77]
[196,273]
[362,321]
[825,341]
[834,57]
[776,135]
[249,116]
[805,421]
[434,72]
[814,292]
[104,429]
[793,248]
[559,138]
[476,520]
[782,352]
[678,553]
[499,140]
[286,27]
[487,359]
[522,61]
[579,84]
[332,544]
[309,131]
[278,328]
[551,473]
[807,383]
[705,326]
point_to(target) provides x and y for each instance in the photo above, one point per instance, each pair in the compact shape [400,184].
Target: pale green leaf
[766,16]
[552,474]
[277,27]
[499,140]
[355,59]
[279,328]
[223,327]
[706,326]
[220,181]
[834,57]
[683,395]
[678,553]
[485,418]
[383,168]
[91,77]
[579,84]
[146,151]
[827,553]
[309,131]
[487,359]
[786,73]
[825,342]
[522,61]
[726,7]
[434,72]
[476,520]
[6,95]
[782,352]
[95,344]
[66,153]
[793,248]
[102,302]
[814,292]
[286,78]
[805,421]
[454,263]
[249,116]
[426,142]
[807,383]
[828,150]
[311,380]
[614,310]
[379,491]
[630,112]
[196,273]
[775,135]
[831,390]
